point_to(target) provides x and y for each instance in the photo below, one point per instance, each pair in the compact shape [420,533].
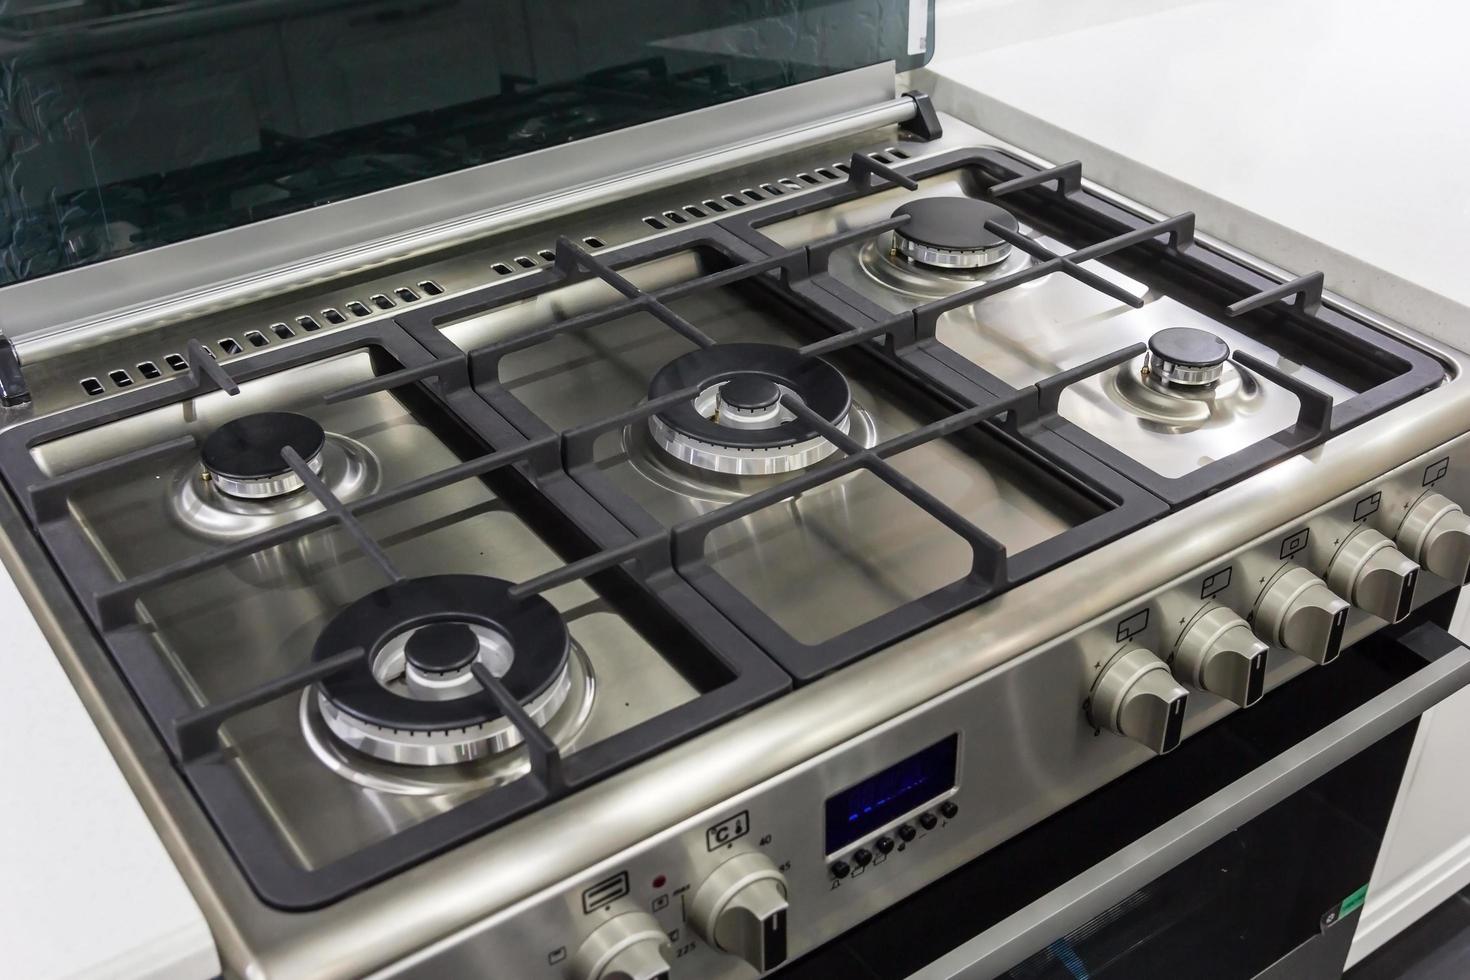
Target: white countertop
[86,887]
[1320,134]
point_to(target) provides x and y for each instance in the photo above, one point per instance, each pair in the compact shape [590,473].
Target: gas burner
[950,232]
[1186,357]
[737,424]
[413,698]
[243,456]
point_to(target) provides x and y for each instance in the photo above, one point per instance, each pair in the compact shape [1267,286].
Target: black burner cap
[1188,347]
[955,223]
[249,447]
[442,648]
[818,384]
[750,392]
[532,626]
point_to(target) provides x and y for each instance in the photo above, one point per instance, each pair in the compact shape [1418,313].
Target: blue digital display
[860,809]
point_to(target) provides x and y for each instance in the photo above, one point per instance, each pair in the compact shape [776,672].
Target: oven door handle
[1078,901]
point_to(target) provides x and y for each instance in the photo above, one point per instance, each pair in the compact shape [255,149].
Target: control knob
[1218,653]
[1297,610]
[741,909]
[631,946]
[1135,695]
[1436,533]
[1373,575]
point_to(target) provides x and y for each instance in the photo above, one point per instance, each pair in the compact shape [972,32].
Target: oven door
[1244,853]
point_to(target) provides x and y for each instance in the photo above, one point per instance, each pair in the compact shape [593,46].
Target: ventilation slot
[734,201]
[694,211]
[382,302]
[406,294]
[121,378]
[714,206]
[356,308]
[654,223]
[844,168]
[895,151]
[330,315]
[92,387]
[176,362]
[788,182]
[881,157]
[501,269]
[229,345]
[772,190]
[282,331]
[675,217]
[827,173]
[808,178]
[547,254]
[431,288]
[255,338]
[753,195]
[149,370]
[525,262]
[592,241]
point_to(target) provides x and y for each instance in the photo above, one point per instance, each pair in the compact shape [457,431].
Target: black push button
[928,820]
[883,844]
[950,809]
[906,832]
[840,869]
[863,857]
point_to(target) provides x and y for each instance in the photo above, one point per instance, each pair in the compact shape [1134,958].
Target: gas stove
[668,588]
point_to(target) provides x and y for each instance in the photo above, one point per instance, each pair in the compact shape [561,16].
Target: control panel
[782,867]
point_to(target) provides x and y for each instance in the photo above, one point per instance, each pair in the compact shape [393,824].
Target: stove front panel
[1017,742]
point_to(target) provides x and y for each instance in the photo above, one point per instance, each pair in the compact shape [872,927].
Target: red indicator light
[660,881]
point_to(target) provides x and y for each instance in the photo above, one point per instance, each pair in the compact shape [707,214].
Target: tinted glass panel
[129,124]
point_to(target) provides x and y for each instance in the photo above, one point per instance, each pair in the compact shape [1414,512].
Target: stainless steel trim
[950,258]
[271,486]
[1167,372]
[1073,904]
[222,270]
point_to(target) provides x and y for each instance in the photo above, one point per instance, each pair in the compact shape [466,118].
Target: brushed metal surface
[449,911]
[1040,328]
[272,605]
[874,549]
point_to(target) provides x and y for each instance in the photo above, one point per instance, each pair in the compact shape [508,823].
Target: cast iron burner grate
[665,566]
[728,673]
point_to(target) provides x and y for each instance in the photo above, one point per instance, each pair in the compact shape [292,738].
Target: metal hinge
[13,388]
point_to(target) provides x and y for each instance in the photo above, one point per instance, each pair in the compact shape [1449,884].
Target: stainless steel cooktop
[726,484]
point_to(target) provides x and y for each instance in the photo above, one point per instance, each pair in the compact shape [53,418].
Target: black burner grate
[618,539]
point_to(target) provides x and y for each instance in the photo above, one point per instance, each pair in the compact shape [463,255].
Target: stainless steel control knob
[631,946]
[1373,575]
[1217,652]
[1436,533]
[1135,695]
[741,909]
[1298,611]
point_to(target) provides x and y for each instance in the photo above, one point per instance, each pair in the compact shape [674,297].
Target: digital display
[862,808]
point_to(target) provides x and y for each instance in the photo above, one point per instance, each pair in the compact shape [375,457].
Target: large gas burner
[737,424]
[414,698]
[950,232]
[243,456]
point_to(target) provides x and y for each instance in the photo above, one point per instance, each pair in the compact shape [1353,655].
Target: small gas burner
[1187,357]
[950,232]
[413,698]
[737,424]
[243,456]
